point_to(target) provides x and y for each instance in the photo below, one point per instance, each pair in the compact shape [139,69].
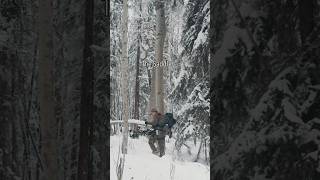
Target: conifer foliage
[265,82]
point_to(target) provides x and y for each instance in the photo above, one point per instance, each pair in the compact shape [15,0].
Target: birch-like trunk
[48,124]
[152,97]
[124,75]
[160,37]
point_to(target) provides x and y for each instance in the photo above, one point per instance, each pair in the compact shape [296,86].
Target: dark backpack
[168,117]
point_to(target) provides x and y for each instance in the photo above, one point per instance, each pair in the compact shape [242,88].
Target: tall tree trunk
[101,144]
[306,17]
[161,34]
[73,158]
[60,87]
[152,97]
[6,126]
[137,94]
[48,125]
[198,154]
[86,107]
[16,131]
[124,75]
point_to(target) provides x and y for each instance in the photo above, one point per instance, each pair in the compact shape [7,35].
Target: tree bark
[48,125]
[198,154]
[86,104]
[74,151]
[152,97]
[124,73]
[161,34]
[137,87]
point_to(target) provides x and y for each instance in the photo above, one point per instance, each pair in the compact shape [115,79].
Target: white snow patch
[141,164]
[131,121]
[281,85]
[290,112]
[203,36]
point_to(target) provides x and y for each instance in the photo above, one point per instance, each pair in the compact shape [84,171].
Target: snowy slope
[141,164]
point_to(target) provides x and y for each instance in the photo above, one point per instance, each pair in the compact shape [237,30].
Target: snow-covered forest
[61,85]
[265,83]
[54,101]
[77,85]
[145,32]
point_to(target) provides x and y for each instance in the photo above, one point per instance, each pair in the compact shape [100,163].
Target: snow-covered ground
[141,164]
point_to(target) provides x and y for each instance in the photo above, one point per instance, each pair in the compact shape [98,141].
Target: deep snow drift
[141,164]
